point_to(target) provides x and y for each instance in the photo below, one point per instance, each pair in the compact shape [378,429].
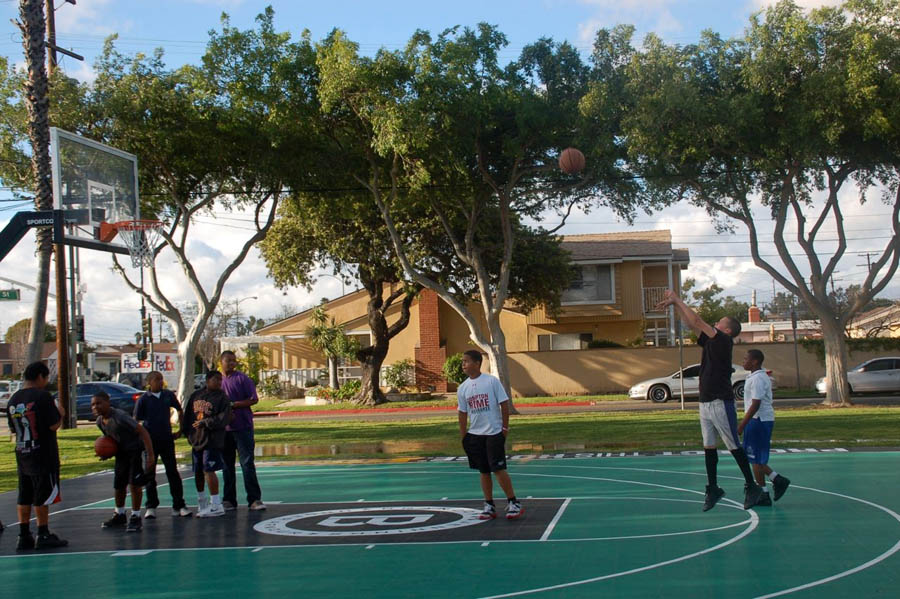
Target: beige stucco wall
[619,332]
[615,370]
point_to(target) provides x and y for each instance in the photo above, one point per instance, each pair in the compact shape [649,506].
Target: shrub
[271,386]
[311,383]
[320,391]
[399,374]
[251,363]
[452,369]
[595,343]
[348,390]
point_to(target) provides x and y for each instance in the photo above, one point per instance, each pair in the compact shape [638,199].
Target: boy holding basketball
[154,409]
[134,454]
[757,426]
[206,415]
[483,426]
[34,418]
[717,413]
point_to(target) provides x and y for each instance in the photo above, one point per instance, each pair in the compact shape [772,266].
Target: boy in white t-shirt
[757,426]
[483,426]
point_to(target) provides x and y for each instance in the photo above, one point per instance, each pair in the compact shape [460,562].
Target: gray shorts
[719,419]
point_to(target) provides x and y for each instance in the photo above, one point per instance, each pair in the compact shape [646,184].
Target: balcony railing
[652,296]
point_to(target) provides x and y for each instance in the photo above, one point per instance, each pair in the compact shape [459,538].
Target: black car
[120,396]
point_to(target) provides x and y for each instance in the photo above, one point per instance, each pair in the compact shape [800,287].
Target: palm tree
[328,337]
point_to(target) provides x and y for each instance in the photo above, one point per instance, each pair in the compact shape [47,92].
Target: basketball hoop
[140,237]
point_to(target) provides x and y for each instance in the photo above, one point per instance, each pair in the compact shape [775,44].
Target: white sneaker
[183,512]
[257,506]
[202,505]
[514,509]
[212,512]
[150,513]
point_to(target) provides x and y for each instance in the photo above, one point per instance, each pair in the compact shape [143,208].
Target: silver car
[664,388]
[872,376]
[7,388]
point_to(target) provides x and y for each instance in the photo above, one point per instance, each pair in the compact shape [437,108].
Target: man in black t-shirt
[154,409]
[34,419]
[718,417]
[133,458]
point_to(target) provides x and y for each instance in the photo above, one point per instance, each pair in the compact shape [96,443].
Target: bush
[322,392]
[271,386]
[251,363]
[595,343]
[311,383]
[452,369]
[348,390]
[399,374]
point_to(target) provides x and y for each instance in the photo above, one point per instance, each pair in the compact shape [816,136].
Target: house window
[564,341]
[593,284]
[7,369]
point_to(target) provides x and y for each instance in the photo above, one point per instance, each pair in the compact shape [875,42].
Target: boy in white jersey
[757,425]
[483,426]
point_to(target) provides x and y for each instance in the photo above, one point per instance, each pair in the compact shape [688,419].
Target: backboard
[92,183]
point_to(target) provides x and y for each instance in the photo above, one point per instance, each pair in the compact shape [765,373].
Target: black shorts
[131,469]
[39,489]
[486,453]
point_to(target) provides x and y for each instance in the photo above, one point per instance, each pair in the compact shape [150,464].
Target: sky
[181,28]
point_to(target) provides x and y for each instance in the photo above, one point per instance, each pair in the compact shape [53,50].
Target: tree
[32,24]
[250,325]
[17,337]
[800,107]
[475,144]
[328,337]
[779,308]
[209,137]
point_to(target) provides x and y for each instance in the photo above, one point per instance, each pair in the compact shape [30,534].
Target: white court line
[132,553]
[257,549]
[485,544]
[556,518]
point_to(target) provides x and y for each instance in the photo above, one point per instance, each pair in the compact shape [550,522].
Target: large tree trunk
[499,362]
[37,102]
[836,363]
[373,356]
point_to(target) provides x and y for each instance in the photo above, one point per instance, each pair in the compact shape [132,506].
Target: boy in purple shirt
[239,435]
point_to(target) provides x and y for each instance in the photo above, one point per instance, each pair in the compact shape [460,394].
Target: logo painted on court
[370,521]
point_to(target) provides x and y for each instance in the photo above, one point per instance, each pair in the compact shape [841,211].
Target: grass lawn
[609,431]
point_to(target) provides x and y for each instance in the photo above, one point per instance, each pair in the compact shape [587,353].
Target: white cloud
[88,17]
[646,15]
[807,4]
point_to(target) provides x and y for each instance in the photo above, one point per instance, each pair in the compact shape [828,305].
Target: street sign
[10,295]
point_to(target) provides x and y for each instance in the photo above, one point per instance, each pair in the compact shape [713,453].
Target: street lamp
[341,279]
[237,309]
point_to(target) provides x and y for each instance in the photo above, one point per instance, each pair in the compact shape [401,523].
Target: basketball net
[140,237]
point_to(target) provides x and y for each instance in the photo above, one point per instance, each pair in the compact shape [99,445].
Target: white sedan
[664,388]
[872,376]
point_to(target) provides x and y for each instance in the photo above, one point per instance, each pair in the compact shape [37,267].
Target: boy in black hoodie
[206,415]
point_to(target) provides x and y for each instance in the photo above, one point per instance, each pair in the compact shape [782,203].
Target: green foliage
[251,363]
[597,343]
[270,386]
[18,332]
[711,308]
[348,390]
[399,375]
[864,344]
[328,337]
[453,370]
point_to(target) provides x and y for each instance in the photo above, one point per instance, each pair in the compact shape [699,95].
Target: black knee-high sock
[712,459]
[741,458]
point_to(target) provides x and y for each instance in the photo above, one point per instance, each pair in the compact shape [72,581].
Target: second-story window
[592,283]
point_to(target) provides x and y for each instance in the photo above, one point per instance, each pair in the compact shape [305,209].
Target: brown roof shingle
[625,244]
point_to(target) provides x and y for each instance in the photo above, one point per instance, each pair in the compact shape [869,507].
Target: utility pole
[868,263]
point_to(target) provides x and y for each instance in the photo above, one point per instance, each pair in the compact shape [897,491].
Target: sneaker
[150,513]
[764,499]
[779,486]
[514,509]
[212,512]
[183,512]
[49,541]
[257,506]
[116,521]
[752,493]
[134,524]
[229,506]
[713,495]
[25,542]
[488,513]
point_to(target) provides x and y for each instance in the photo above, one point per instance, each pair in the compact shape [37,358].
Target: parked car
[120,396]
[199,381]
[878,375]
[664,388]
[7,388]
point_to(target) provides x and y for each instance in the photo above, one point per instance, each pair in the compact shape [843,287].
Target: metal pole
[680,358]
[73,338]
[796,353]
[63,381]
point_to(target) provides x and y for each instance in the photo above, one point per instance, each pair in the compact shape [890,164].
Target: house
[756,330]
[12,357]
[621,277]
[880,322]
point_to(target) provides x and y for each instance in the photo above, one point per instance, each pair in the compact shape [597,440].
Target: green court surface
[614,527]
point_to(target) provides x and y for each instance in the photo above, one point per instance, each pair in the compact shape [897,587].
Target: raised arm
[687,314]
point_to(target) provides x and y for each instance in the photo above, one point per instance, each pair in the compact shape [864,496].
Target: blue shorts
[207,460]
[757,437]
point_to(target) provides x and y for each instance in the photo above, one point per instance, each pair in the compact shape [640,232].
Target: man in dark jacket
[154,410]
[206,415]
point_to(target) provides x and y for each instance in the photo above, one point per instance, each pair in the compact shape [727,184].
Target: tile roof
[625,244]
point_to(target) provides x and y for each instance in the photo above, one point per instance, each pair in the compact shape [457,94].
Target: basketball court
[620,527]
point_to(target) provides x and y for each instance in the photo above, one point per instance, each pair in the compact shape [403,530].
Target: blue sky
[181,28]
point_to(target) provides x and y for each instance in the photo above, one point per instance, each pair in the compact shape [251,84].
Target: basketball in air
[105,447]
[571,161]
